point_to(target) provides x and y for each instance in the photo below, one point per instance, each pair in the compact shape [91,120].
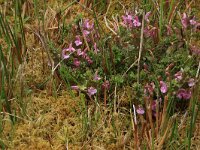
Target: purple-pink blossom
[146,17]
[65,54]
[74,87]
[86,32]
[149,88]
[106,85]
[127,20]
[193,21]
[178,76]
[140,110]
[163,87]
[153,106]
[71,49]
[87,25]
[184,20]
[136,22]
[88,59]
[95,48]
[195,50]
[91,91]
[78,41]
[76,62]
[67,51]
[150,31]
[184,94]
[79,52]
[191,82]
[96,76]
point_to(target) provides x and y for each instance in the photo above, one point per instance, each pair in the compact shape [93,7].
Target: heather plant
[166,70]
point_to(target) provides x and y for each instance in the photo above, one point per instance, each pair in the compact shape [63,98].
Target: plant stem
[140,50]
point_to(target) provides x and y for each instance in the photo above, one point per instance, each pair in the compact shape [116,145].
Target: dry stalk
[135,129]
[167,133]
[147,140]
[149,112]
[115,99]
[197,74]
[105,97]
[105,19]
[130,67]
[164,112]
[141,47]
[157,117]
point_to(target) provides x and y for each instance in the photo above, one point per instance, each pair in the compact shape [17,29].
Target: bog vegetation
[99,74]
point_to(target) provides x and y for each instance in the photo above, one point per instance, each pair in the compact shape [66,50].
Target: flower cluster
[130,21]
[77,50]
[188,21]
[163,87]
[184,94]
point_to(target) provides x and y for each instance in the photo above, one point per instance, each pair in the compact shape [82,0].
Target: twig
[140,50]
[115,98]
[134,112]
[109,26]
[108,8]
[86,8]
[5,113]
[130,67]
[164,113]
[197,74]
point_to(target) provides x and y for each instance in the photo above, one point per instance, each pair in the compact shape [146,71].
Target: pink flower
[96,35]
[178,76]
[79,52]
[127,20]
[184,94]
[91,91]
[86,32]
[78,41]
[150,31]
[75,87]
[65,54]
[149,88]
[195,50]
[106,85]
[88,59]
[95,48]
[191,82]
[140,110]
[146,17]
[153,106]
[76,62]
[193,21]
[136,22]
[71,49]
[87,25]
[96,76]
[163,87]
[67,51]
[184,20]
